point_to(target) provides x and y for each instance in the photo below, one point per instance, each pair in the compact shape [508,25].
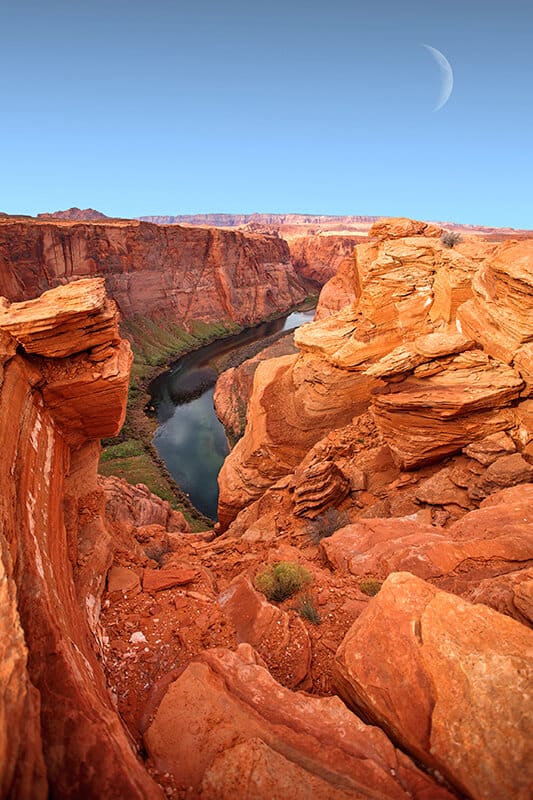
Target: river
[190,439]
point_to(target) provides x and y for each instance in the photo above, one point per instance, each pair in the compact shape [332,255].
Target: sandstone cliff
[63,386]
[138,658]
[175,273]
[398,350]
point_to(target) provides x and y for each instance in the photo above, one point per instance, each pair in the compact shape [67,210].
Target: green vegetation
[281,580]
[155,343]
[131,455]
[121,451]
[306,608]
[449,238]
[370,586]
[327,523]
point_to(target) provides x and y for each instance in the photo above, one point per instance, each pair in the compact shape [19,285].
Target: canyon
[388,454]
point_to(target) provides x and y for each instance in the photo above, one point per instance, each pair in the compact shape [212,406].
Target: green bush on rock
[282,580]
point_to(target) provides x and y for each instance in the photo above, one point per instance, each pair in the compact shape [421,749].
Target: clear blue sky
[168,107]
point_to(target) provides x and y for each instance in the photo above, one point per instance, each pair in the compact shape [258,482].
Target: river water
[190,439]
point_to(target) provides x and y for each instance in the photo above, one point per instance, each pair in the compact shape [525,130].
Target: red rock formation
[53,531]
[461,705]
[434,393]
[484,544]
[319,258]
[224,699]
[182,274]
[74,214]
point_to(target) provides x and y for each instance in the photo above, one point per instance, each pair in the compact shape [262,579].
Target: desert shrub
[370,586]
[282,580]
[327,523]
[450,238]
[306,608]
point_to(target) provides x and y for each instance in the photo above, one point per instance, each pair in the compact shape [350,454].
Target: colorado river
[190,439]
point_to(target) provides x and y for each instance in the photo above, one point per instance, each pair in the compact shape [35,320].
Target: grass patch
[307,609]
[135,468]
[281,580]
[370,586]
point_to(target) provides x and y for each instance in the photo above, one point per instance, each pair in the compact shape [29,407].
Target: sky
[166,107]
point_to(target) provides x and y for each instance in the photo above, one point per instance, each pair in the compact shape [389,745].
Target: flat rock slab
[156,580]
[449,681]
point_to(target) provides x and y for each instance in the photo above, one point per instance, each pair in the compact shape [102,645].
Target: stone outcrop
[74,214]
[184,275]
[55,553]
[483,545]
[319,258]
[401,227]
[436,385]
[224,708]
[295,401]
[280,638]
[138,506]
[462,705]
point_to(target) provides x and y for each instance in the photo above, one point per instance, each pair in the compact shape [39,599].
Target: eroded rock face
[434,390]
[400,227]
[223,701]
[295,401]
[175,273]
[138,506]
[53,530]
[461,704]
[483,545]
[319,258]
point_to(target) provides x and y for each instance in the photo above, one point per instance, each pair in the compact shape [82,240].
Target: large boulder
[449,681]
[225,714]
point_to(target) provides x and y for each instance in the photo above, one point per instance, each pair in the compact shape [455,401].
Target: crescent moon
[446,74]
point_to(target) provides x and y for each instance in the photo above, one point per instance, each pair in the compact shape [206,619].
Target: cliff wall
[63,385]
[434,343]
[183,274]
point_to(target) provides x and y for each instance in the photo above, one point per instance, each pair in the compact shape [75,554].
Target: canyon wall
[165,272]
[64,378]
[435,343]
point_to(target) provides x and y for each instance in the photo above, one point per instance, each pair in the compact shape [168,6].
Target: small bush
[306,608]
[370,586]
[327,523]
[450,238]
[282,580]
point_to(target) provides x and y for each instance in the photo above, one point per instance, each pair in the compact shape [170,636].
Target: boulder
[463,704]
[280,638]
[223,700]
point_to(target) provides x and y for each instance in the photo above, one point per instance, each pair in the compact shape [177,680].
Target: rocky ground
[390,457]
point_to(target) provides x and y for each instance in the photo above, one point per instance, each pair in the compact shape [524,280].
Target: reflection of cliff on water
[190,439]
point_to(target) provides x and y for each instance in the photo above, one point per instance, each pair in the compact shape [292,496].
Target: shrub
[327,523]
[282,580]
[370,586]
[306,608]
[449,238]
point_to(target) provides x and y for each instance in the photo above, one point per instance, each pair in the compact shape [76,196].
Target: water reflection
[190,439]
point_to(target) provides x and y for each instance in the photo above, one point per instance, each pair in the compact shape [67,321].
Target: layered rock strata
[182,274]
[64,735]
[405,349]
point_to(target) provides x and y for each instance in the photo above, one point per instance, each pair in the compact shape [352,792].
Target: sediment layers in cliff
[182,274]
[434,342]
[64,382]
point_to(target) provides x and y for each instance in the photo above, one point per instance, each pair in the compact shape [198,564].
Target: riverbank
[156,346]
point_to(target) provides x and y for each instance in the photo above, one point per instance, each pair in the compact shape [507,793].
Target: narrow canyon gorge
[382,461]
